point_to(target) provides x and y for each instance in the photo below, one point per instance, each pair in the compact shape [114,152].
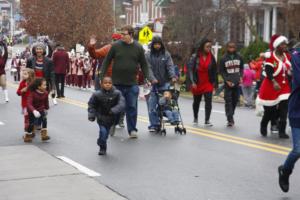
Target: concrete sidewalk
[28,173]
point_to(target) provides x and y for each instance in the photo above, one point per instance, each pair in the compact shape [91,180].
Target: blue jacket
[294,100]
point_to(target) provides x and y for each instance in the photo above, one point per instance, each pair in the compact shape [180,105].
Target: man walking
[127,56]
[231,68]
[61,65]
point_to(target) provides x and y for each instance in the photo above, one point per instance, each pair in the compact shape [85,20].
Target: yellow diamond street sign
[145,35]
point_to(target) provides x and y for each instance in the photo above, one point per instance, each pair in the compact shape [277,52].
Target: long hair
[36,84]
[201,44]
[31,75]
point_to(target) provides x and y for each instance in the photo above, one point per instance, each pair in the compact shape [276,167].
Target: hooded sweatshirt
[294,99]
[160,62]
[231,68]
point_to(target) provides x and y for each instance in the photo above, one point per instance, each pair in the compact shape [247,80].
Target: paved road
[207,164]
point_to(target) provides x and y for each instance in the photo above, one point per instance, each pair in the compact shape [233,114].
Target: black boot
[102,150]
[284,176]
[281,128]
[263,130]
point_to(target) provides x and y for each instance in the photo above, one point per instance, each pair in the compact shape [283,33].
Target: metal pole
[114,11]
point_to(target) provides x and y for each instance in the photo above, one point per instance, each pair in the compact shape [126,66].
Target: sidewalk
[28,173]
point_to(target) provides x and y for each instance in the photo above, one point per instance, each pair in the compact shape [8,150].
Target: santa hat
[276,40]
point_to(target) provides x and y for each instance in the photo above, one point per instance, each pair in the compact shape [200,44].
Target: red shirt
[37,101]
[23,84]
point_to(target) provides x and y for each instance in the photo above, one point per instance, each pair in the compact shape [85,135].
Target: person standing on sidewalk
[286,169]
[61,65]
[275,88]
[231,69]
[162,67]
[3,60]
[104,105]
[203,75]
[127,56]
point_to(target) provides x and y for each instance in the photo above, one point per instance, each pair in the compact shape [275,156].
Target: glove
[36,114]
[92,119]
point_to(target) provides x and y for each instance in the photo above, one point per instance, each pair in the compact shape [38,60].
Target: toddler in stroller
[168,106]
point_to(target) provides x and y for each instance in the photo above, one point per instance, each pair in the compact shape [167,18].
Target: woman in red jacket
[23,91]
[202,72]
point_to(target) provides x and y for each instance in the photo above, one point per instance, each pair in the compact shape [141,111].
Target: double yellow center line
[210,134]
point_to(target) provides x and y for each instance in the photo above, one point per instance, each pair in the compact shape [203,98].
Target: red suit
[268,96]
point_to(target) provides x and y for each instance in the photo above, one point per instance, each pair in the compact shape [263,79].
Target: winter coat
[37,101]
[231,68]
[160,63]
[193,67]
[105,105]
[294,100]
[61,61]
[3,59]
[23,84]
[48,69]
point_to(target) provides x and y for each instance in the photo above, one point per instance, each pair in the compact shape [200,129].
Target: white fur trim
[267,54]
[272,102]
[279,40]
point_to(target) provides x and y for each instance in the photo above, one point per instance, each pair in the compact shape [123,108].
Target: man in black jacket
[231,69]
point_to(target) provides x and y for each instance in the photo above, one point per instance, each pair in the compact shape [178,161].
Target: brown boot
[27,138]
[44,135]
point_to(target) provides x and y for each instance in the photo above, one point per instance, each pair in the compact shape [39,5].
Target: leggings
[208,105]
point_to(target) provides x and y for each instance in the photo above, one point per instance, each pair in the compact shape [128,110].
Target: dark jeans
[37,121]
[130,94]
[295,153]
[272,113]
[60,79]
[97,83]
[208,105]
[103,134]
[231,96]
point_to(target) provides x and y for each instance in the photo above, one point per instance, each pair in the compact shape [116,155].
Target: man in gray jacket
[162,67]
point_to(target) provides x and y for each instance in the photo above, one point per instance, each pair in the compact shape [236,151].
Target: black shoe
[102,150]
[283,136]
[62,96]
[284,179]
[230,124]
[263,131]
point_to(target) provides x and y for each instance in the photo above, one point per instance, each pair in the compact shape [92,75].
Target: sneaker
[112,130]
[283,179]
[274,129]
[152,130]
[230,124]
[121,124]
[102,150]
[54,101]
[195,122]
[133,135]
[208,124]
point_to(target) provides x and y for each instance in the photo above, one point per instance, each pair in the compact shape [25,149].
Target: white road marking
[2,123]
[80,167]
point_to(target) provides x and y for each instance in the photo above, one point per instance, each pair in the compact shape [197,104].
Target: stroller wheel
[184,131]
[163,132]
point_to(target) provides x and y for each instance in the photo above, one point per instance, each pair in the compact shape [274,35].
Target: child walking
[170,107]
[37,105]
[104,105]
[23,91]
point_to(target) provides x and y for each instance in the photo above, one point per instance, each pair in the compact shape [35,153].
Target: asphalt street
[216,163]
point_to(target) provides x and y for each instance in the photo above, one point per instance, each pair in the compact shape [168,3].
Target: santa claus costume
[275,89]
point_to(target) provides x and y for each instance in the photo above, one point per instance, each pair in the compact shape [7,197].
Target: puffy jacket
[160,62]
[104,105]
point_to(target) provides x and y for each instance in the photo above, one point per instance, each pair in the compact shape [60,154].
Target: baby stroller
[178,126]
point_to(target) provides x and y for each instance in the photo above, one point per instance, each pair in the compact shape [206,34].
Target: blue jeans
[103,135]
[173,116]
[295,153]
[130,94]
[152,104]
